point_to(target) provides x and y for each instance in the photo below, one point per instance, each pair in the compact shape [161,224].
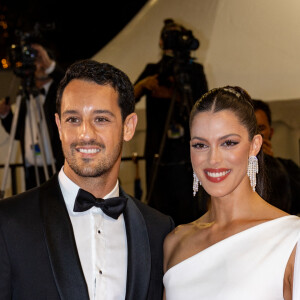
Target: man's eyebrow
[69,112]
[98,111]
[103,111]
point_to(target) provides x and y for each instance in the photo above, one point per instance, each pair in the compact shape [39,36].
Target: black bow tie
[112,207]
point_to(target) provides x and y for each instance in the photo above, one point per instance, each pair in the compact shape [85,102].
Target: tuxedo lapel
[61,244]
[139,256]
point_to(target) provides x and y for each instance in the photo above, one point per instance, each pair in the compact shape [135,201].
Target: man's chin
[88,172]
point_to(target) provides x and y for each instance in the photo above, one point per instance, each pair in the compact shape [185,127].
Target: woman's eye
[199,146]
[230,143]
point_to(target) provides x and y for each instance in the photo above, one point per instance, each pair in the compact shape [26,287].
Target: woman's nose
[215,156]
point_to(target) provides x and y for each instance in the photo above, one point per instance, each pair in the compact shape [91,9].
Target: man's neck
[97,186]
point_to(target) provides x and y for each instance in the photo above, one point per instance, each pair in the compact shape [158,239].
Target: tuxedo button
[100,272]
[98,231]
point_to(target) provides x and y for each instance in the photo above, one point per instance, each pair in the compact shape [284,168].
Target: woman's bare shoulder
[173,240]
[180,242]
[177,234]
[271,212]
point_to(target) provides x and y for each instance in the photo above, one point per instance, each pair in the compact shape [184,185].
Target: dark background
[72,31]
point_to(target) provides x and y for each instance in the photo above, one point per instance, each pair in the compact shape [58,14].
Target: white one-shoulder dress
[249,265]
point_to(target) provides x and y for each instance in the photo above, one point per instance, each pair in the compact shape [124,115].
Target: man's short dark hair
[259,104]
[102,74]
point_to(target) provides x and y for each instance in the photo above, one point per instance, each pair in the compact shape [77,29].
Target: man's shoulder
[153,216]
[30,197]
[152,68]
[19,203]
[287,161]
[197,64]
[289,164]
[144,207]
[197,67]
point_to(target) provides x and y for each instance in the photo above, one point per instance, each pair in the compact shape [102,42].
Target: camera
[22,56]
[178,38]
[181,40]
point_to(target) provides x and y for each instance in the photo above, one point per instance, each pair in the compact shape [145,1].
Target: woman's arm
[296,277]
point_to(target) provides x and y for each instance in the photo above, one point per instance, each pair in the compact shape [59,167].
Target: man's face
[91,129]
[40,71]
[264,127]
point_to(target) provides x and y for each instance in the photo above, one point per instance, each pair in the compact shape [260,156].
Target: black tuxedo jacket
[39,258]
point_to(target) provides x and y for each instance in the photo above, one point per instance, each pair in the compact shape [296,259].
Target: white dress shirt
[101,243]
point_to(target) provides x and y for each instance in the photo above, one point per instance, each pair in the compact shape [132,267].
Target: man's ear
[256,144]
[129,126]
[58,124]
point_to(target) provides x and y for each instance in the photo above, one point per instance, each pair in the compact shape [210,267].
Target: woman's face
[220,149]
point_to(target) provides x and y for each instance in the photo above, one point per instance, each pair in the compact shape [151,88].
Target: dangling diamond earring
[252,170]
[195,184]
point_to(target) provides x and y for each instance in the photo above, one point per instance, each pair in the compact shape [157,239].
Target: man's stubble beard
[103,166]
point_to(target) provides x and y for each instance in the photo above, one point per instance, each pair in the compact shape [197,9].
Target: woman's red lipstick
[216,175]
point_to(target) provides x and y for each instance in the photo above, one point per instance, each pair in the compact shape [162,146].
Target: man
[47,75]
[283,174]
[53,246]
[177,79]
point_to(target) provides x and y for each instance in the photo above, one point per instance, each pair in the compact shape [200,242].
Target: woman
[242,247]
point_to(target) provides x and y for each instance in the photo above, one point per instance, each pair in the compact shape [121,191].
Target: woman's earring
[195,184]
[252,170]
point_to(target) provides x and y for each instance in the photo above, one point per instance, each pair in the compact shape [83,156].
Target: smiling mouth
[88,151]
[216,176]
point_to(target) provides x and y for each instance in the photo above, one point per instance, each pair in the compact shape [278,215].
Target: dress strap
[296,281]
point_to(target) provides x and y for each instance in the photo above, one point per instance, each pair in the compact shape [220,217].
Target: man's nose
[87,130]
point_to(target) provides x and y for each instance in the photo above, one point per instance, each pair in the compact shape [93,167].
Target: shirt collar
[46,86]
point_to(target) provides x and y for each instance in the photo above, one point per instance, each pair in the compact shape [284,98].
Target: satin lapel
[139,255]
[61,244]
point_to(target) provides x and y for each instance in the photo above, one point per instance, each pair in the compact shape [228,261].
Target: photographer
[176,79]
[283,174]
[46,76]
